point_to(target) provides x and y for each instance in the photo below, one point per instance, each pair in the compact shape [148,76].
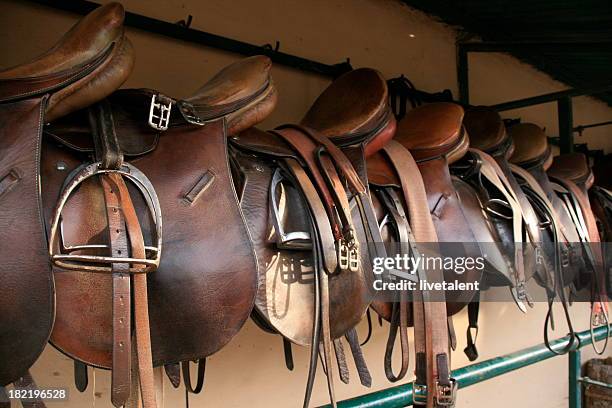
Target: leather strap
[120,376]
[141,303]
[362,369]
[429,315]
[81,379]
[473,308]
[321,229]
[200,379]
[173,372]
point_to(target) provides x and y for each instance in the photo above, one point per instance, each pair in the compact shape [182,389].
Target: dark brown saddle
[436,138]
[532,152]
[193,286]
[92,60]
[488,134]
[303,192]
[572,177]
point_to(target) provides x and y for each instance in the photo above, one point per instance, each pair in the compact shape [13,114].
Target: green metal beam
[550,97]
[575,388]
[401,396]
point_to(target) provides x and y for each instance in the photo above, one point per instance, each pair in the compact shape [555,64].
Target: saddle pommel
[434,130]
[88,63]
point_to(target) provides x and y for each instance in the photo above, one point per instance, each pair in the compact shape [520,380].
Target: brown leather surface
[28,304]
[234,83]
[353,104]
[86,40]
[245,87]
[530,143]
[574,167]
[431,130]
[486,128]
[214,296]
[91,61]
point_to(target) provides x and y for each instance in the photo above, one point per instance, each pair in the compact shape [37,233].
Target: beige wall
[250,371]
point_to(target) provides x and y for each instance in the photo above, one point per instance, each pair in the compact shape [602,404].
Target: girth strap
[431,332]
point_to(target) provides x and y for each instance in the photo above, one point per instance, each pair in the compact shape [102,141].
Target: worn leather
[354,109]
[530,144]
[574,167]
[91,61]
[433,130]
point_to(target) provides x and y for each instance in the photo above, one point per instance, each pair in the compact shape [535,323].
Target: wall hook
[185,23]
[268,47]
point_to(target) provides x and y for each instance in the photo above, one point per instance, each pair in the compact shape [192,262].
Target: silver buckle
[159,114]
[344,254]
[446,394]
[419,393]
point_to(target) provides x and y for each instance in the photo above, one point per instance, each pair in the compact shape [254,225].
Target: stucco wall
[250,371]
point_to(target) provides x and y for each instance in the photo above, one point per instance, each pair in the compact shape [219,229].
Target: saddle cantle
[201,290]
[92,60]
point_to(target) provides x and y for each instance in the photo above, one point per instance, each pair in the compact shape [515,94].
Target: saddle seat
[487,131]
[434,130]
[530,146]
[574,167]
[354,109]
[89,62]
[243,93]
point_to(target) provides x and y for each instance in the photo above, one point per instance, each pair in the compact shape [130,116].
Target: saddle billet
[92,60]
[201,290]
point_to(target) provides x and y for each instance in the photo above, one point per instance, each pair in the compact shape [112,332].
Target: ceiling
[568,39]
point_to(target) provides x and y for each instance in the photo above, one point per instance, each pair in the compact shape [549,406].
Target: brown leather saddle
[109,176]
[304,195]
[572,177]
[561,242]
[92,60]
[514,218]
[168,161]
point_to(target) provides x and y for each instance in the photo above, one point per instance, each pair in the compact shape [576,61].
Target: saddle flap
[354,109]
[257,141]
[129,112]
[381,172]
[530,145]
[434,130]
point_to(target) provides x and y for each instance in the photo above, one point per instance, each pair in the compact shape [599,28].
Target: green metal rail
[401,396]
